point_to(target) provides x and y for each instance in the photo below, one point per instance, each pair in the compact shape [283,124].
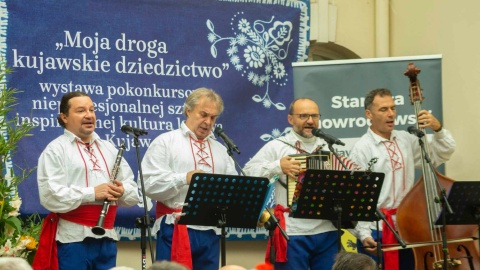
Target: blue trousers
[405,256]
[310,252]
[205,247]
[90,254]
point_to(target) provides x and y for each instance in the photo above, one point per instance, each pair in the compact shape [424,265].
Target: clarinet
[98,229]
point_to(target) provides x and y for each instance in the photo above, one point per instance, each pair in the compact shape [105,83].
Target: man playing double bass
[397,154]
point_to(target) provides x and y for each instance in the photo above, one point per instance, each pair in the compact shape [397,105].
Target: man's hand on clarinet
[109,191]
[117,189]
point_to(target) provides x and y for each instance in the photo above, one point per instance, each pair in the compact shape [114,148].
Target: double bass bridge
[451,264]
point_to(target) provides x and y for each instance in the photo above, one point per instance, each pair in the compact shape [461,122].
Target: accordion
[317,161]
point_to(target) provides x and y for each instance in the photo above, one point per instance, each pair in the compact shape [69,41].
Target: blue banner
[140,59]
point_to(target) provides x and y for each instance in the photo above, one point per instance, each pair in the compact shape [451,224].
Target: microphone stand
[379,246]
[230,153]
[222,223]
[143,222]
[337,208]
[443,200]
[271,223]
[380,215]
[330,146]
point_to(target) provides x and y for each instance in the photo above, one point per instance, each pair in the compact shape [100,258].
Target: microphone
[230,144]
[415,131]
[328,138]
[133,131]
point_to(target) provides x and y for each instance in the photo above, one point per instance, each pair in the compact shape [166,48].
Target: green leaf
[15,223]
[11,134]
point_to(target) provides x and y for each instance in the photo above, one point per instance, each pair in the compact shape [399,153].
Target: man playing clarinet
[74,179]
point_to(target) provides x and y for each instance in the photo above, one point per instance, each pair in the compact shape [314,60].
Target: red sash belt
[181,251]
[279,241]
[46,256]
[390,258]
[87,215]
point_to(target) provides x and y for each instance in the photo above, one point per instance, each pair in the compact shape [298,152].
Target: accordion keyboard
[317,161]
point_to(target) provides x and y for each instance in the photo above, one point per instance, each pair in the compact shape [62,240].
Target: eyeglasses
[305,116]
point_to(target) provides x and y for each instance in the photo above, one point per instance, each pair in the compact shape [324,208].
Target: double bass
[421,207]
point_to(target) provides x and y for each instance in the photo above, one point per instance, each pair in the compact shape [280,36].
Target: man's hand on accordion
[290,166]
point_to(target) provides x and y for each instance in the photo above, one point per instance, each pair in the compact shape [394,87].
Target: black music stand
[464,198]
[225,201]
[337,196]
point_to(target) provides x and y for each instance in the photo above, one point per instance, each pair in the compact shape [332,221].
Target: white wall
[449,28]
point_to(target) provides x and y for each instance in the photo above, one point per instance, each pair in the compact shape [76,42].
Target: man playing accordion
[313,242]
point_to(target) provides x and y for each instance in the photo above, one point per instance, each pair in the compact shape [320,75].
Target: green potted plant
[18,234]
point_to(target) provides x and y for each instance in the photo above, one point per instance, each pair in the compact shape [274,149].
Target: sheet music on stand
[337,196]
[464,198]
[222,201]
[319,191]
[241,199]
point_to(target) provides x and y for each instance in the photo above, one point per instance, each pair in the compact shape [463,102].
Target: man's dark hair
[65,105]
[372,94]
[353,261]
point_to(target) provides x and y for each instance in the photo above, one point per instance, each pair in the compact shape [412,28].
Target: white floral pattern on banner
[257,50]
[276,133]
